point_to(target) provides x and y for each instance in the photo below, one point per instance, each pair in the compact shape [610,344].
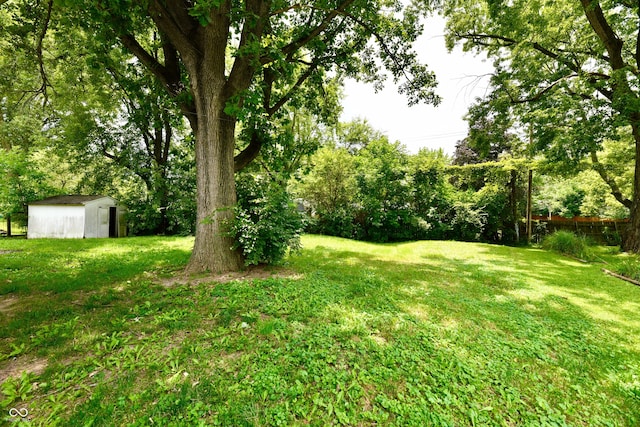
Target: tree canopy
[568,71]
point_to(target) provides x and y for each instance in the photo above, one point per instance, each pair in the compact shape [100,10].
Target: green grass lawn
[425,333]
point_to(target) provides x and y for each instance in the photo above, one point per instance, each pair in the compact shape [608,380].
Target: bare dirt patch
[256,272]
[6,252]
[8,305]
[15,367]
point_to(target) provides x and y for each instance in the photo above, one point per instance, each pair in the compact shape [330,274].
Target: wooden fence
[602,231]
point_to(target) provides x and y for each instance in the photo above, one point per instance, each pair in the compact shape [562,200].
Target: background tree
[384,192]
[23,182]
[105,125]
[491,133]
[567,69]
[488,203]
[558,197]
[584,194]
[135,132]
[356,135]
[432,193]
[24,89]
[330,190]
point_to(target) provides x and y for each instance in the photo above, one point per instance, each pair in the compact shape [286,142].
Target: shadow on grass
[51,280]
[59,266]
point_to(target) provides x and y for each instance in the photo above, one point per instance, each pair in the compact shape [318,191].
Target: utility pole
[529,190]
[513,200]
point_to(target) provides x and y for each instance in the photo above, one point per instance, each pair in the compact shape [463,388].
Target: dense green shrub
[377,191]
[393,225]
[499,225]
[147,216]
[339,222]
[267,222]
[611,236]
[329,190]
[568,243]
[467,222]
[432,194]
[385,192]
[142,217]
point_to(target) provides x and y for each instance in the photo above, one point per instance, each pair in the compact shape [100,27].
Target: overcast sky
[460,81]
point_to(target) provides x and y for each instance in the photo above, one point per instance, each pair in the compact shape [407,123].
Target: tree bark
[631,236]
[620,98]
[216,191]
[162,191]
[214,145]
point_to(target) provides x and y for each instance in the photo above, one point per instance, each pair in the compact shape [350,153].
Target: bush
[568,243]
[493,201]
[467,222]
[144,216]
[266,223]
[393,225]
[339,222]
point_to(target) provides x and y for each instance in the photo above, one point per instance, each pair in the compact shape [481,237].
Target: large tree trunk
[631,236]
[215,144]
[163,201]
[216,191]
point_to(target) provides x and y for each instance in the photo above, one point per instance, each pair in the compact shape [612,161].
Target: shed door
[113,221]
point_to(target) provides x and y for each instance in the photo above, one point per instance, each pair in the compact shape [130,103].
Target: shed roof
[74,199]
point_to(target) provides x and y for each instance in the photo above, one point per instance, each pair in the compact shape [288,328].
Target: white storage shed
[76,217]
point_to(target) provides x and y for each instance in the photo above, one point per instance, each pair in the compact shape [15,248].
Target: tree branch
[249,153]
[168,136]
[638,37]
[41,36]
[605,33]
[176,24]
[283,100]
[538,96]
[147,137]
[110,156]
[156,68]
[615,189]
[168,75]
[592,78]
[171,64]
[294,6]
[252,30]
[292,47]
[479,39]
[246,156]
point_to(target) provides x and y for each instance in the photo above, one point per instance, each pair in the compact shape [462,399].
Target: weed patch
[568,243]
